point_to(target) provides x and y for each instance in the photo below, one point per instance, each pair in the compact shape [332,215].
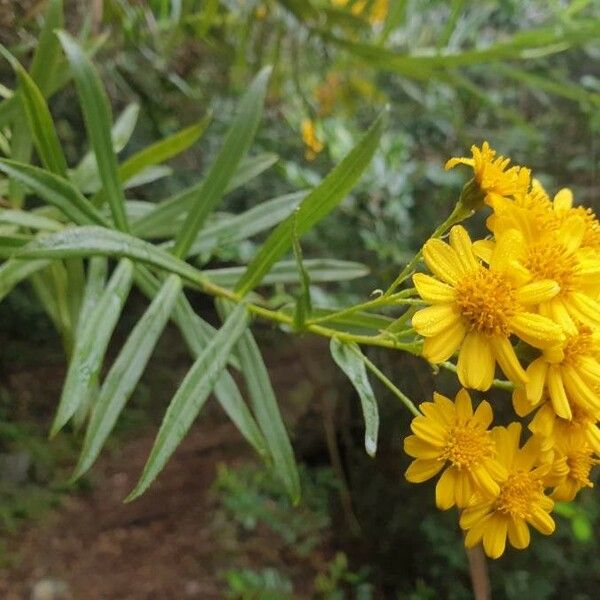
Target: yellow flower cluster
[526,300]
[313,145]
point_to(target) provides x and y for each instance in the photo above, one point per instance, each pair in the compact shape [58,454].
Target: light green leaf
[13,271]
[163,150]
[97,116]
[318,204]
[267,414]
[100,241]
[303,301]
[54,190]
[166,218]
[91,344]
[240,227]
[237,142]
[319,269]
[40,120]
[347,357]
[191,396]
[28,219]
[126,372]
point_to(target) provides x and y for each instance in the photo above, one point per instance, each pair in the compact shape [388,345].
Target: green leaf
[267,414]
[39,118]
[347,357]
[166,218]
[318,204]
[13,271]
[100,241]
[236,144]
[97,116]
[163,150]
[191,396]
[54,190]
[22,218]
[286,271]
[303,302]
[95,282]
[126,372]
[91,344]
[47,53]
[240,227]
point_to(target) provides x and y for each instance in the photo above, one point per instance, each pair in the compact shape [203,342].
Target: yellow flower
[379,11]
[568,372]
[327,93]
[552,249]
[309,136]
[571,470]
[493,175]
[451,435]
[520,502]
[582,429]
[476,308]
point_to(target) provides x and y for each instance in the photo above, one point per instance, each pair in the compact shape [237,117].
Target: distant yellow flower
[582,429]
[493,175]
[476,308]
[570,371]
[327,93]
[521,500]
[379,11]
[450,435]
[309,136]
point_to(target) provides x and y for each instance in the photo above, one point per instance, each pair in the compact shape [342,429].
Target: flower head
[493,175]
[475,308]
[520,502]
[450,435]
[569,374]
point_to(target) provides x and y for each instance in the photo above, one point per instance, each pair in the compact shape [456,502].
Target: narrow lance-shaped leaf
[168,215]
[97,115]
[31,220]
[55,190]
[267,414]
[318,204]
[13,271]
[191,396]
[39,118]
[91,344]
[99,241]
[237,142]
[126,372]
[347,357]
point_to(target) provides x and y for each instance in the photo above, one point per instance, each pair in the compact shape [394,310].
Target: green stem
[384,379]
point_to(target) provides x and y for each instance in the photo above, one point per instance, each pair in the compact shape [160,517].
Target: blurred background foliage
[524,75]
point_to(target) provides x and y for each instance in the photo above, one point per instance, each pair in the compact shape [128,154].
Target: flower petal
[518,533]
[494,538]
[484,414]
[462,245]
[536,374]
[429,431]
[536,330]
[433,320]
[558,396]
[476,364]
[441,347]
[433,290]
[421,470]
[418,448]
[508,361]
[541,520]
[445,488]
[584,308]
[537,292]
[443,261]
[464,406]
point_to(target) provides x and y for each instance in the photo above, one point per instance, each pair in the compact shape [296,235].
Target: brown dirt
[173,542]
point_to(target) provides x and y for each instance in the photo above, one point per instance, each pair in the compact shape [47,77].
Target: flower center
[518,493]
[578,345]
[580,464]
[551,261]
[467,447]
[487,301]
